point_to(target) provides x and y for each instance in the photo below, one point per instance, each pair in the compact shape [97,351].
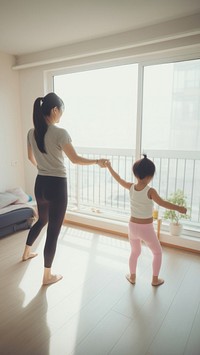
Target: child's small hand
[107,163]
[182,210]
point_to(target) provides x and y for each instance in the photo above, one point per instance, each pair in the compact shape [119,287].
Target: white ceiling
[31,26]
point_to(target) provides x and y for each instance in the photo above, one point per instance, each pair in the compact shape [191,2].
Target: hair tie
[41,102]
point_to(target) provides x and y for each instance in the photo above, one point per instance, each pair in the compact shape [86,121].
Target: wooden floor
[94,310]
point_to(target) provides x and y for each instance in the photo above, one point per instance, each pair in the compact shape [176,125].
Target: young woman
[46,145]
[141,220]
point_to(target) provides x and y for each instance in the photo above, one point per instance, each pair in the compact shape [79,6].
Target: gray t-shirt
[52,163]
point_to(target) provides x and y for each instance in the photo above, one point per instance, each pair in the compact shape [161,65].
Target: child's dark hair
[143,168]
[42,108]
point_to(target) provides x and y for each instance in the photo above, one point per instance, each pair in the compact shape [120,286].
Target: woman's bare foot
[131,278]
[156,281]
[29,256]
[27,253]
[52,279]
[49,278]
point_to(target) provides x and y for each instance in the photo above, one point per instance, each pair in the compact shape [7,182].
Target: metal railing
[92,190]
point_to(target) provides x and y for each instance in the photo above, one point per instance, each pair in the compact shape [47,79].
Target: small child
[141,220]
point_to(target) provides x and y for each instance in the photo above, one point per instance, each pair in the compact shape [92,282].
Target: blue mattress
[16,220]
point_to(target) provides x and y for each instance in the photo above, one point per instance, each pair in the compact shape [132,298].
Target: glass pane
[100,106]
[171,129]
[171,110]
[100,116]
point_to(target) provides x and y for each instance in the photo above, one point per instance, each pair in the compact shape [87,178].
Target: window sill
[182,242]
[121,229]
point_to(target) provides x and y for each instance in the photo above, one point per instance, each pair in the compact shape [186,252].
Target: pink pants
[146,233]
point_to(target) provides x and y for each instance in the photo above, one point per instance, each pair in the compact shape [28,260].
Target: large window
[102,117]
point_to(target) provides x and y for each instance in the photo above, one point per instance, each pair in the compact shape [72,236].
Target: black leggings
[51,197]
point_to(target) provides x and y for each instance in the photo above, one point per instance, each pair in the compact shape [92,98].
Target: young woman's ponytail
[41,110]
[39,124]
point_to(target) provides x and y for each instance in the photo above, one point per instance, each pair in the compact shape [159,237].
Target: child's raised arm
[125,184]
[168,205]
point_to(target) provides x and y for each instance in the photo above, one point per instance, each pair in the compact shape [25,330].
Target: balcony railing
[92,190]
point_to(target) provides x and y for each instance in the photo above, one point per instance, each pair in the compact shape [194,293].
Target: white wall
[31,87]
[11,149]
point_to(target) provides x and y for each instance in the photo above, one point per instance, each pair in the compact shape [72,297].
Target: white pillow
[7,198]
[22,196]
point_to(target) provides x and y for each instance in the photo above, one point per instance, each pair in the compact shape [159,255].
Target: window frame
[142,63]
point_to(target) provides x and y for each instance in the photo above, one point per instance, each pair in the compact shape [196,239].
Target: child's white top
[141,204]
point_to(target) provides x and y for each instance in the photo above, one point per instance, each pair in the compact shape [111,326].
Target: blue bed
[17,212]
[16,220]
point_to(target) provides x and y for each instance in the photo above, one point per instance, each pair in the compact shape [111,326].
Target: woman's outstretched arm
[77,159]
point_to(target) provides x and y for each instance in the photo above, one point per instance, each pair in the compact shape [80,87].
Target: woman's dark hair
[41,109]
[143,168]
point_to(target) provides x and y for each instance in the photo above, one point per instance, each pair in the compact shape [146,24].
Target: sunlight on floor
[94,310]
[79,249]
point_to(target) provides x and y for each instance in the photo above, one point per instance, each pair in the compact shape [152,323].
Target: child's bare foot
[156,281]
[52,279]
[131,278]
[29,256]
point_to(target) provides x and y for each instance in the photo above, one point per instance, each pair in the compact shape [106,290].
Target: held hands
[107,163]
[102,163]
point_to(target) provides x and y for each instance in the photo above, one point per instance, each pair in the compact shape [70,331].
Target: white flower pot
[175,229]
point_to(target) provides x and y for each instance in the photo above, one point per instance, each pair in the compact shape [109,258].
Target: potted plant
[178,198]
